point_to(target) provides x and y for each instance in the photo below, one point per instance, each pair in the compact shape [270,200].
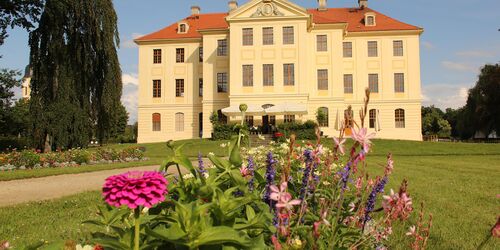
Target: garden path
[52,187]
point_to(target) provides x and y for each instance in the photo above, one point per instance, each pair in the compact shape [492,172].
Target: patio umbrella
[235,110]
[287,109]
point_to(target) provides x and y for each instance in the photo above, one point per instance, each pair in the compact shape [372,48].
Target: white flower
[326,183]
[206,175]
[188,176]
[317,173]
[223,145]
[261,137]
[86,247]
[211,154]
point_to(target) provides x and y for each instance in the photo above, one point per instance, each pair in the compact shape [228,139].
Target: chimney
[233,5]
[195,10]
[363,4]
[322,5]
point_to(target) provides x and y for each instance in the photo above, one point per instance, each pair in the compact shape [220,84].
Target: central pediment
[265,9]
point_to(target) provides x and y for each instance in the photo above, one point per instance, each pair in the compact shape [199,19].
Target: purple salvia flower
[251,170]
[307,173]
[372,198]
[201,167]
[270,174]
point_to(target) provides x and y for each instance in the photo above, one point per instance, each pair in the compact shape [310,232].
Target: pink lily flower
[339,144]
[287,203]
[363,138]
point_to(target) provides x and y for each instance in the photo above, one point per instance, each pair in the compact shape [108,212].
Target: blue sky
[460,36]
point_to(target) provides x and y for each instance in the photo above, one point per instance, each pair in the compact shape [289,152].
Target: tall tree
[8,80]
[76,84]
[482,111]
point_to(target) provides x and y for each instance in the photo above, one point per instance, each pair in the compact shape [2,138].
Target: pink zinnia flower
[135,189]
[339,144]
[363,138]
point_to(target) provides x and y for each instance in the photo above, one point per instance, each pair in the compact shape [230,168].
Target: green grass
[156,152]
[61,219]
[457,182]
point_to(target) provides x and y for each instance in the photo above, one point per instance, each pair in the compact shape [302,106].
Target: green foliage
[302,131]
[20,13]
[8,80]
[434,123]
[10,143]
[321,117]
[76,84]
[224,131]
[214,118]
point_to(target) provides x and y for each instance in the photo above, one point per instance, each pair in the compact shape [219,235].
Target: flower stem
[137,228]
[180,175]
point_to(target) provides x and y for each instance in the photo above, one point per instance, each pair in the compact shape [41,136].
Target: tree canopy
[76,83]
[21,13]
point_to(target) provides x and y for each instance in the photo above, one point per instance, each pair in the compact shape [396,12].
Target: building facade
[286,63]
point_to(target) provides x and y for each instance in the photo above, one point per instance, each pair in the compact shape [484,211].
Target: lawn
[457,182]
[156,152]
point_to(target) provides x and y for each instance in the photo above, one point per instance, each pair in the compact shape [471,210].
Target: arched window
[399,115]
[222,117]
[156,122]
[179,122]
[373,117]
[323,117]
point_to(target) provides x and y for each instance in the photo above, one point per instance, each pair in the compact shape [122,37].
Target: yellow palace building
[286,63]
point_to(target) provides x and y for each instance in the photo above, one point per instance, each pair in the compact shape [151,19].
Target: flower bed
[27,159]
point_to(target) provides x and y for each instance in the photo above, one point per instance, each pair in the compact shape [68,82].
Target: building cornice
[214,31]
[384,33]
[163,41]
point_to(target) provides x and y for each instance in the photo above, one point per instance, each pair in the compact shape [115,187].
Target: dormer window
[183,28]
[370,19]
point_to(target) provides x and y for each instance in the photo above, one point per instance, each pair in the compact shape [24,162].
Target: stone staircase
[255,141]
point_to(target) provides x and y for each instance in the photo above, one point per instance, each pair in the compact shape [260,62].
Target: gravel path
[52,187]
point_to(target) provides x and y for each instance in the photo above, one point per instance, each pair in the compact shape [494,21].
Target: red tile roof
[354,17]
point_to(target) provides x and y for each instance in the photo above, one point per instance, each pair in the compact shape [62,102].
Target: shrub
[223,131]
[302,131]
[10,143]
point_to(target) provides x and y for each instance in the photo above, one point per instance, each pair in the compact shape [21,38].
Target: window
[272,120]
[370,21]
[179,87]
[288,35]
[322,79]
[373,117]
[156,122]
[200,87]
[222,82]
[268,70]
[289,74]
[157,56]
[347,49]
[399,118]
[179,55]
[348,86]
[399,82]
[247,37]
[397,48]
[249,120]
[372,49]
[323,117]
[289,118]
[247,75]
[222,117]
[182,28]
[321,43]
[179,122]
[156,88]
[200,54]
[267,36]
[222,47]
[373,83]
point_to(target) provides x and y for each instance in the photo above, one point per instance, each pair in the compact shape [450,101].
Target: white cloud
[445,95]
[130,96]
[476,53]
[458,66]
[128,42]
[428,45]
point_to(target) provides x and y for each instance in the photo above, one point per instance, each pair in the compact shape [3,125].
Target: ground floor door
[265,124]
[200,124]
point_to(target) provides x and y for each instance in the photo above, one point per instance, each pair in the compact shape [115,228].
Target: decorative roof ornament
[268,8]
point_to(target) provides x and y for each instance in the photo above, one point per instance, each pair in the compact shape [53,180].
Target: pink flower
[4,245]
[135,189]
[495,231]
[390,165]
[397,205]
[244,171]
[276,242]
[339,144]
[363,138]
[287,203]
[277,193]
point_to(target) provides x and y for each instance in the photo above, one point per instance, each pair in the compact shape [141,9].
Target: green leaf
[235,157]
[173,234]
[250,213]
[223,235]
[221,164]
